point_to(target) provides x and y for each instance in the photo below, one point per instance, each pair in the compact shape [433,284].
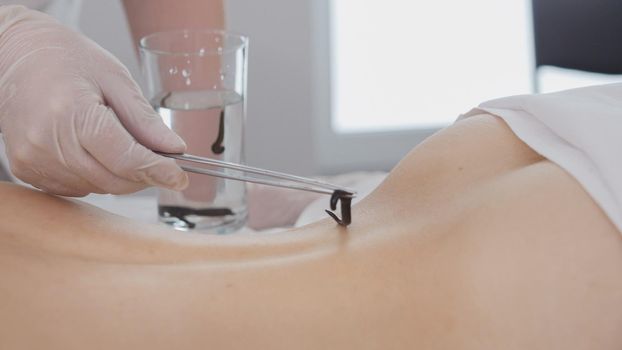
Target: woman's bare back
[472,242]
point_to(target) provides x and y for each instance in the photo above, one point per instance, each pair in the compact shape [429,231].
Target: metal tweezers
[272,178]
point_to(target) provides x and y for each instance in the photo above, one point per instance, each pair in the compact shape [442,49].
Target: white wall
[279,122]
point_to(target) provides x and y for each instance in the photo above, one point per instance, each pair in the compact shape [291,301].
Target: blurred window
[390,73]
[409,64]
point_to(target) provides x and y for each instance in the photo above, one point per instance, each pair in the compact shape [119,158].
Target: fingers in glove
[103,137]
[64,168]
[59,189]
[52,184]
[102,179]
[136,114]
[37,167]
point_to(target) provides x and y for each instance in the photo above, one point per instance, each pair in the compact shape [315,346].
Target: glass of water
[196,80]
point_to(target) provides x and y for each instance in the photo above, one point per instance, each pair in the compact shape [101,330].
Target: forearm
[146,17]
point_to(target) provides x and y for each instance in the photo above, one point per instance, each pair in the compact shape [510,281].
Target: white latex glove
[73,119]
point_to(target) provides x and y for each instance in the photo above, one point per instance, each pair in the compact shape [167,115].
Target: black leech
[181,213]
[346,203]
[217,146]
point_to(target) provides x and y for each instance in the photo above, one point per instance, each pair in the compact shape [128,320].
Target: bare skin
[150,16]
[473,242]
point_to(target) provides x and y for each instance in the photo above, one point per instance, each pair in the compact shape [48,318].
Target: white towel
[578,129]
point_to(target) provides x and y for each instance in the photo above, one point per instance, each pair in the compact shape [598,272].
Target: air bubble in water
[172,71]
[202,51]
[185,72]
[214,87]
[222,77]
[219,49]
[188,81]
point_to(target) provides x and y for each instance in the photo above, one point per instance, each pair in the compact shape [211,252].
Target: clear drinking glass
[196,80]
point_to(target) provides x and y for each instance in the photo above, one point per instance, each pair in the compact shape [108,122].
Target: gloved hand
[73,120]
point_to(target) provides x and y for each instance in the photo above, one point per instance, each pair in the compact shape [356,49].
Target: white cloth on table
[578,129]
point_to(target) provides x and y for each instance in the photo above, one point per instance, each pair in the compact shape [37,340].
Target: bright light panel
[414,64]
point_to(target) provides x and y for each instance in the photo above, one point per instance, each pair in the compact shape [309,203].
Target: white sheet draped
[578,129]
